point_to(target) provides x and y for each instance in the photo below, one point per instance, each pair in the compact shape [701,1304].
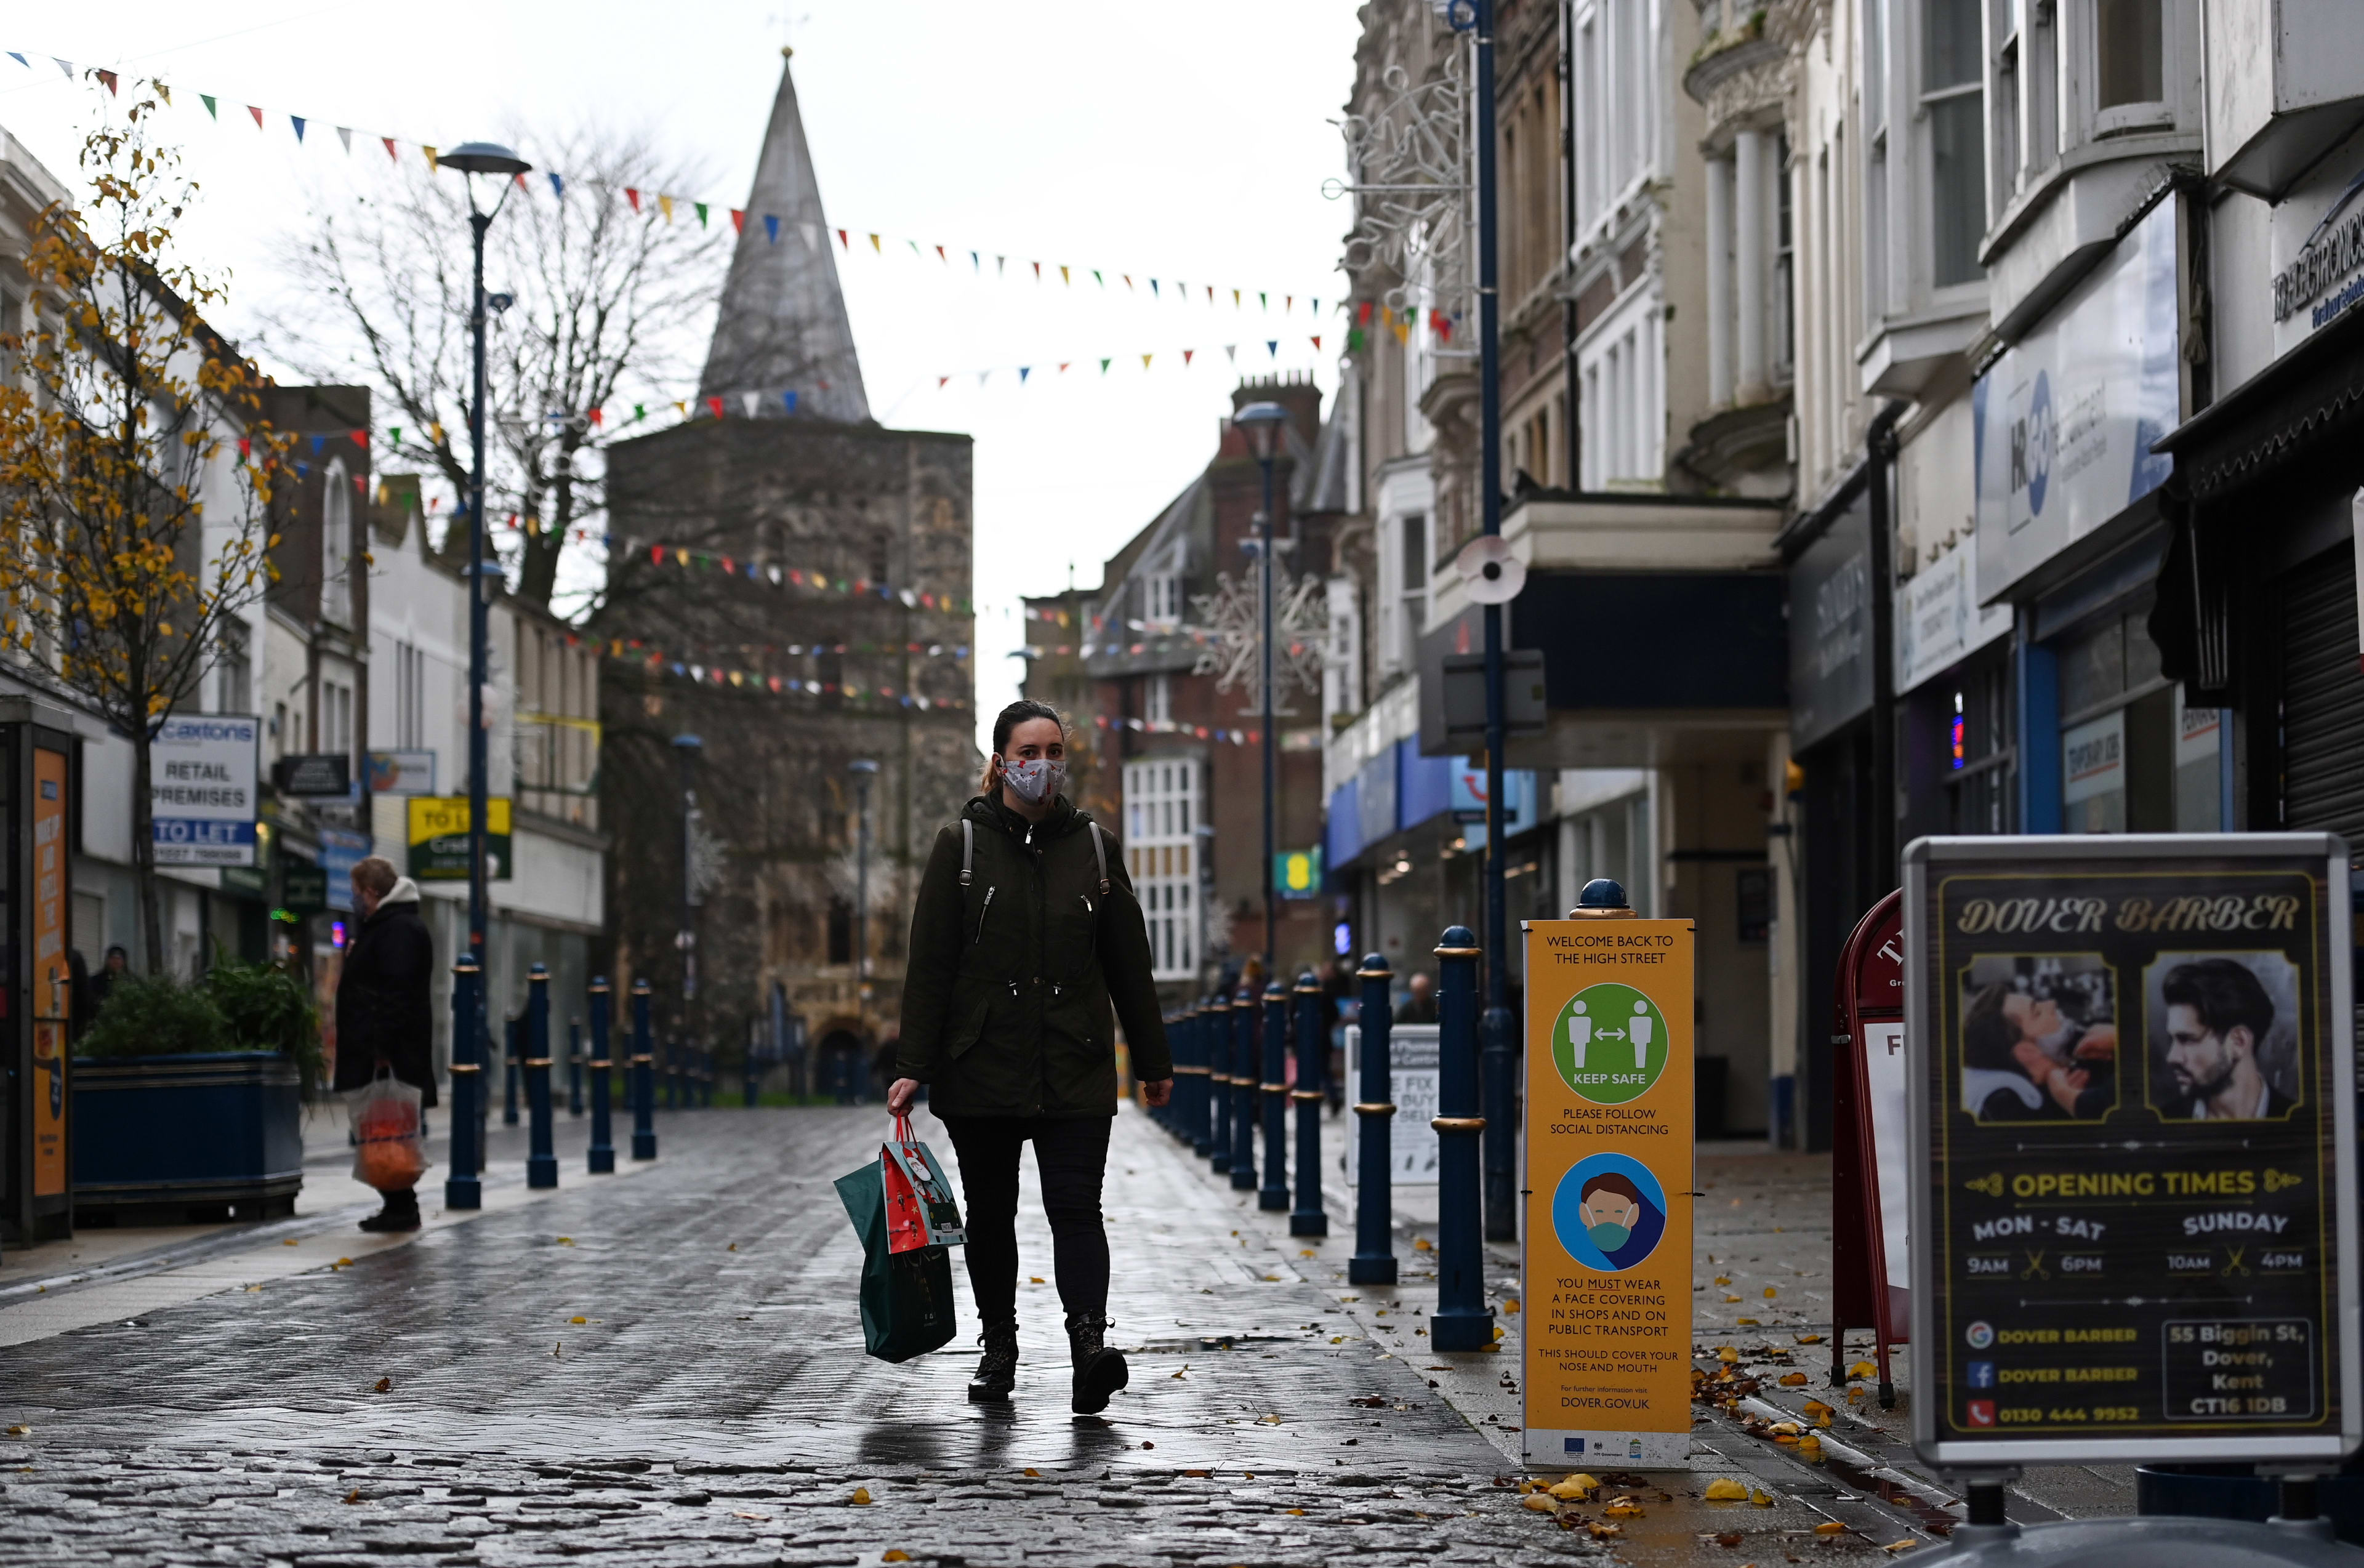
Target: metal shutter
[2322,699]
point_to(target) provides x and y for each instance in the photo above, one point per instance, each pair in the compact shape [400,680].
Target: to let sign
[201,791]
[439,838]
[1610,1115]
[2133,1096]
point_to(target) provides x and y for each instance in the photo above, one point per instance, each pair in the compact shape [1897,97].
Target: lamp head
[1263,422]
[688,742]
[484,161]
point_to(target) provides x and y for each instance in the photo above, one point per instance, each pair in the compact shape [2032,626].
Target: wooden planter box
[180,1132]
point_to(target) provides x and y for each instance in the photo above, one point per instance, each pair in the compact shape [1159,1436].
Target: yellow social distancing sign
[1610,1124]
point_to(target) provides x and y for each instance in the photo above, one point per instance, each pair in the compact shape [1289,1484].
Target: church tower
[790,584]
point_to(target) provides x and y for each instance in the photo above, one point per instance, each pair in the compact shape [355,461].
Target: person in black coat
[385,1017]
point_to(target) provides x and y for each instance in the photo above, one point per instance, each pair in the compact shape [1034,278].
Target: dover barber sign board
[2133,1109]
[1607,1265]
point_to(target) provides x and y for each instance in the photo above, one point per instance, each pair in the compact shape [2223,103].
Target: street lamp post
[476,160]
[1263,421]
[866,772]
[1477,16]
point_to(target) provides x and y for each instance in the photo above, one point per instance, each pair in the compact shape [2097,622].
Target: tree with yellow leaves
[136,468]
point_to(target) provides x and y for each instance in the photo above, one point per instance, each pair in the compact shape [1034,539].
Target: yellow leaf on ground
[382,1386]
[1305,1252]
[1726,1354]
[567,1241]
[343,1264]
[861,1496]
[1539,1501]
[1032,1471]
[1732,1298]
[354,1495]
[578,1319]
[1810,1338]
[898,1556]
[1724,1279]
[20,1431]
[1830,1527]
[1761,1498]
[1770,1292]
[1863,1369]
[1582,1482]
[1724,1490]
[1623,1508]
[1794,1380]
[1745,1322]
[1604,1532]
[1272,1279]
[288,1243]
[1907,1544]
[1423,1245]
[1510,1307]
[1299,1512]
[1034,1279]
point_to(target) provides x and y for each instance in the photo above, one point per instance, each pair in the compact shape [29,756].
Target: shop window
[1976,741]
[1161,839]
[841,931]
[1159,702]
[2132,759]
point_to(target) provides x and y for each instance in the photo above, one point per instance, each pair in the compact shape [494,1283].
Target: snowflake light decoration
[1233,618]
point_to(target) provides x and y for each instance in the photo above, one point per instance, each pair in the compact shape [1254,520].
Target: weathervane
[1232,615]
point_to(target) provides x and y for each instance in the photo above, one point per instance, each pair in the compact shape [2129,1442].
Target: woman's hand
[900,1094]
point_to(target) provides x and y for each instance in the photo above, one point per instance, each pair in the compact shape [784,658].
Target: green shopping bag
[907,1297]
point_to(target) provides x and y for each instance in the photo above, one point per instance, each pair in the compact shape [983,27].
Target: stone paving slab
[712,1404]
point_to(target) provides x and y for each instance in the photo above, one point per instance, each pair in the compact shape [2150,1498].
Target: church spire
[783,326]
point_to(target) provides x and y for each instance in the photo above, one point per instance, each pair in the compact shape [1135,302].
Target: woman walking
[1025,938]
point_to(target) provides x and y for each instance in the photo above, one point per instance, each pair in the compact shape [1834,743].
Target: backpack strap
[1099,853]
[968,847]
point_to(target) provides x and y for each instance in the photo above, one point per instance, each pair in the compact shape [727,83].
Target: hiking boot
[997,1369]
[400,1213]
[1099,1371]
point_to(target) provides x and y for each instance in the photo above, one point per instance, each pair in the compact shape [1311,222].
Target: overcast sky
[1179,142]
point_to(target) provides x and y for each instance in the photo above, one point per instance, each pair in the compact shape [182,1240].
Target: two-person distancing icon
[1582,1032]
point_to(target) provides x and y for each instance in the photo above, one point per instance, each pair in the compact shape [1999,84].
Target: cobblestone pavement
[668,1369]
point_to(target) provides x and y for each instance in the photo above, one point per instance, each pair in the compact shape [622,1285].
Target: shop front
[2258,602]
[2071,536]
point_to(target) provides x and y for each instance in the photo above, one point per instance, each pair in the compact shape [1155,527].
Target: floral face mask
[1035,779]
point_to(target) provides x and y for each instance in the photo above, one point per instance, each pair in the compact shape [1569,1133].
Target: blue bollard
[1219,1082]
[574,1067]
[1374,1261]
[1245,1018]
[462,1188]
[644,1089]
[602,1158]
[541,1159]
[1309,1217]
[511,1050]
[1462,1320]
[1273,1194]
[1191,1092]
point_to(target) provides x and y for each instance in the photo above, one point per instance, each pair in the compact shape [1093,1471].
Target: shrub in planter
[237,1007]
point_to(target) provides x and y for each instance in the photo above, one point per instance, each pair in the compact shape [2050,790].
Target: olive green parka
[1016,970]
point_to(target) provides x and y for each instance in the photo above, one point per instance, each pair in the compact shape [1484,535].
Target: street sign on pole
[1412,1158]
[2133,1090]
[1607,1268]
[439,838]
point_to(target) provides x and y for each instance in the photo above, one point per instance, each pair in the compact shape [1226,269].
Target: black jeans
[1071,1156]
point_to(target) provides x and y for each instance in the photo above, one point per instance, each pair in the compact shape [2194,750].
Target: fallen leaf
[734,1247]
[1539,1501]
[1623,1508]
[1510,1307]
[1830,1527]
[1034,1279]
[1810,1338]
[1794,1380]
[1604,1532]
[567,1241]
[1272,1279]
[1863,1369]
[1423,1245]
[1729,1537]
[898,1556]
[1760,1498]
[1194,1474]
[1770,1292]
[1299,1512]
[354,1495]
[578,1319]
[1724,1279]
[1175,1375]
[288,1243]
[20,1431]
[1907,1544]
[1149,1445]
[1745,1322]
[1730,1298]
[382,1386]
[254,1290]
[1724,1490]
[1810,1445]
[861,1497]
[1574,1487]
[343,1264]
[1337,1338]
[556,1347]
[737,1514]
[1305,1252]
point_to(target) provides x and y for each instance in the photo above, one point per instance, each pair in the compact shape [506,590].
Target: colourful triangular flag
[664,204]
[842,242]
[941,380]
[391,155]
[107,79]
[1023,372]
[212,112]
[714,403]
[738,221]
[433,166]
[632,196]
[20,59]
[748,401]
[701,213]
[257,114]
[65,67]
[1063,274]
[1271,345]
[1317,343]
[874,245]
[1128,279]
[1104,365]
[1144,362]
[1231,353]
[1186,357]
[297,121]
[788,401]
[772,227]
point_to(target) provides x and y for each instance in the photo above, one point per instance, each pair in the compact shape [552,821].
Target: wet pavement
[668,1366]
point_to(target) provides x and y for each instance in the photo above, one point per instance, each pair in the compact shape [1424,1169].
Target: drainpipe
[1879,443]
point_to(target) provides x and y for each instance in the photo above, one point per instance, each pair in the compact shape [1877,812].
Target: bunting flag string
[811,236]
[657,661]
